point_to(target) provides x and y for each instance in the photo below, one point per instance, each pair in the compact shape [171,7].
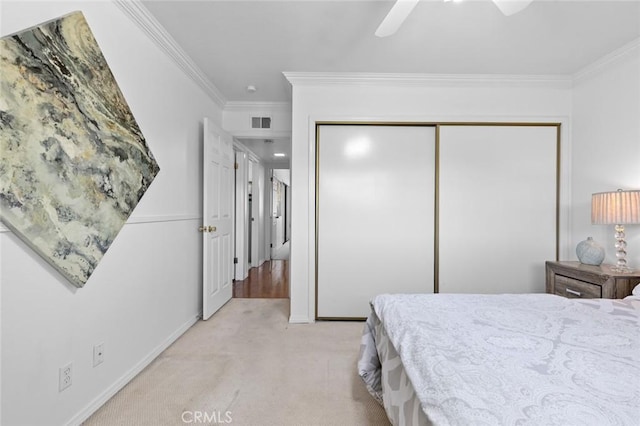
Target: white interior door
[375,215]
[217,227]
[497,208]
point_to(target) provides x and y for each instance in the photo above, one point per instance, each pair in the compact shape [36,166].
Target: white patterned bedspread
[527,359]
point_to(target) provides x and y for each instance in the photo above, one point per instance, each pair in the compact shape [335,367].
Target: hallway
[270,280]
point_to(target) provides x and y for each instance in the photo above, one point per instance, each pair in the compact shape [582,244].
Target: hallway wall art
[74,163]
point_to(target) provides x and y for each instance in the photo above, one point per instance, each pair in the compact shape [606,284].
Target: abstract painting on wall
[73,161]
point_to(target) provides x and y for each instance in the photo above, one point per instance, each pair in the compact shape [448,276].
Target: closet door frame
[561,187]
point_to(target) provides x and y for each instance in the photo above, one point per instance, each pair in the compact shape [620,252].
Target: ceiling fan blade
[396,16]
[511,7]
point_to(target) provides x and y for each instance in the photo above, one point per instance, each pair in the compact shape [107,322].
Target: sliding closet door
[375,215]
[497,208]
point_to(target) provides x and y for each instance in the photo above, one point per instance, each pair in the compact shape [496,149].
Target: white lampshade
[615,207]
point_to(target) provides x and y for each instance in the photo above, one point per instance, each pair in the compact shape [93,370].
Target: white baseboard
[131,374]
[299,319]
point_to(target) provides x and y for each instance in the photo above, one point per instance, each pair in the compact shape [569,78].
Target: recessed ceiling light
[251,88]
[279,154]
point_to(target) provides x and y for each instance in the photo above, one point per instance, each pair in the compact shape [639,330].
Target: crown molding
[427,80]
[244,106]
[141,16]
[618,55]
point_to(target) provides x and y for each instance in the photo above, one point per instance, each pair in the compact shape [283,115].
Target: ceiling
[239,43]
[266,148]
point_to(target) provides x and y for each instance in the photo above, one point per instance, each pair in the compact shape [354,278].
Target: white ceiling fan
[402,8]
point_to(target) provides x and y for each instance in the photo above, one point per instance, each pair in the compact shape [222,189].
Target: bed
[511,359]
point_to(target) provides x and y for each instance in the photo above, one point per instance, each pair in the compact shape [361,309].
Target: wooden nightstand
[574,279]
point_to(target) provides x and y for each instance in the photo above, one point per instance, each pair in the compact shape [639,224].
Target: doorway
[280,214]
[258,275]
[268,281]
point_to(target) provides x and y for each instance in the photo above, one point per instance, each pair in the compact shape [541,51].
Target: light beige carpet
[248,366]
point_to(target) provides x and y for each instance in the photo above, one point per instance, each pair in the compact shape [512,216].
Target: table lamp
[617,208]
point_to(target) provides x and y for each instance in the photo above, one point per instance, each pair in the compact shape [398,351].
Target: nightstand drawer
[573,288]
[574,279]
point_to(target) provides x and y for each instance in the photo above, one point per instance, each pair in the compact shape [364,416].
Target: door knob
[207,229]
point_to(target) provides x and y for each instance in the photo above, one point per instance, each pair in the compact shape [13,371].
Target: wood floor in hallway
[270,281]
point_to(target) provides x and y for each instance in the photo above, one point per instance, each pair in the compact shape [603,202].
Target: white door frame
[268,211]
[241,212]
[277,239]
[257,187]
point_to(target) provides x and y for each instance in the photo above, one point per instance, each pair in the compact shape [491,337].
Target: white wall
[283,175]
[318,97]
[145,292]
[606,147]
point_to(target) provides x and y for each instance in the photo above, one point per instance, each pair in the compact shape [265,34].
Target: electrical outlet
[65,375]
[98,354]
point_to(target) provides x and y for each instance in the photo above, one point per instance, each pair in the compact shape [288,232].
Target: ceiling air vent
[260,122]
